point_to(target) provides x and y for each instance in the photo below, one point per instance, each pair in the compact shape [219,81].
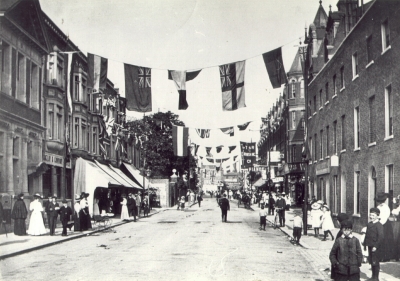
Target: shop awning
[124,181]
[134,174]
[259,182]
[126,178]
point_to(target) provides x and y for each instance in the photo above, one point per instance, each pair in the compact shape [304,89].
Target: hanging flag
[97,72]
[229,131]
[180,137]
[208,151]
[219,148]
[203,133]
[248,153]
[138,88]
[243,126]
[180,78]
[232,84]
[195,149]
[231,148]
[70,78]
[274,64]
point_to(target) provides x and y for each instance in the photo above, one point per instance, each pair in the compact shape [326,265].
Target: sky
[191,35]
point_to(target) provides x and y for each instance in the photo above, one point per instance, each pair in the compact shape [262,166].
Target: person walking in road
[224,205]
[65,215]
[327,222]
[346,255]
[271,205]
[263,218]
[52,214]
[19,215]
[199,199]
[280,208]
[374,239]
[182,203]
[297,226]
[36,224]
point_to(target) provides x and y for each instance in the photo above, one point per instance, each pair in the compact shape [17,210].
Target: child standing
[297,226]
[327,222]
[346,255]
[65,215]
[263,218]
[373,240]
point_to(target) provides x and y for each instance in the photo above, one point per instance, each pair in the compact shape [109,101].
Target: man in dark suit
[65,215]
[131,204]
[280,208]
[52,211]
[224,205]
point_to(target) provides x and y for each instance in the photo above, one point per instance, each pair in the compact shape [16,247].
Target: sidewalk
[13,245]
[318,250]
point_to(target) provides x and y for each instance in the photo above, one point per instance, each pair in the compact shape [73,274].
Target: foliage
[152,136]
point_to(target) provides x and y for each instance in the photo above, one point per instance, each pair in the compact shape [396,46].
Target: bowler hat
[381,197]
[84,195]
[342,217]
[64,201]
[347,224]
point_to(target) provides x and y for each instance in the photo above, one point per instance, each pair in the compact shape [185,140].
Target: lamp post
[303,54]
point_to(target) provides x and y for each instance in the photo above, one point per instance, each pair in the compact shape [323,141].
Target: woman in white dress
[327,222]
[36,224]
[316,215]
[124,209]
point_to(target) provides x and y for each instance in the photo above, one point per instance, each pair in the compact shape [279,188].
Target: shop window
[385,35]
[357,192]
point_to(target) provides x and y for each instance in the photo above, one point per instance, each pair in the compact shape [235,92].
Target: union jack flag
[144,74]
[225,80]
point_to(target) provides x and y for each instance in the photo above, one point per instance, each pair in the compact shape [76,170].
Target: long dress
[316,218]
[77,224]
[386,251]
[327,222]
[19,215]
[124,210]
[36,225]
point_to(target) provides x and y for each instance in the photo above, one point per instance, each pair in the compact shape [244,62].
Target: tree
[152,136]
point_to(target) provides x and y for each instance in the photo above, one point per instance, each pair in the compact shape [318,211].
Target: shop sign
[322,168]
[277,179]
[54,160]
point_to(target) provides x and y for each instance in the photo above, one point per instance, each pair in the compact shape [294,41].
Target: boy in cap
[297,226]
[346,254]
[373,240]
[65,214]
[263,217]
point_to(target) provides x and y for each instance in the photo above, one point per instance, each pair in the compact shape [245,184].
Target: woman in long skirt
[77,209]
[386,250]
[124,208]
[36,224]
[19,215]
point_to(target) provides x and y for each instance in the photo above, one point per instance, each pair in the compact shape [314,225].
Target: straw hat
[37,195]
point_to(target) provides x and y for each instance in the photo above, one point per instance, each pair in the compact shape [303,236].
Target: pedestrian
[52,214]
[263,218]
[178,201]
[191,197]
[124,208]
[218,197]
[138,204]
[224,205]
[280,208]
[340,219]
[239,198]
[374,239]
[65,216]
[346,255]
[316,215]
[146,208]
[1,214]
[182,203]
[36,224]
[77,209]
[388,241]
[271,204]
[199,199]
[131,204]
[297,226]
[19,215]
[84,216]
[327,222]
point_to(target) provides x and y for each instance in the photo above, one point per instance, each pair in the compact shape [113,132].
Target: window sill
[320,108]
[342,151]
[322,159]
[327,157]
[315,162]
[372,144]
[355,77]
[314,113]
[309,117]
[326,103]
[342,89]
[387,49]
[356,216]
[334,96]
[357,149]
[369,64]
[388,138]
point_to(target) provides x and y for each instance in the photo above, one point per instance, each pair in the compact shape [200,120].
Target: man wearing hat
[19,214]
[388,241]
[52,214]
[280,206]
[374,239]
[65,215]
[224,205]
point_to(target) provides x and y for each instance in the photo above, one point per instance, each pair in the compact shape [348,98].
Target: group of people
[191,198]
[36,223]
[132,206]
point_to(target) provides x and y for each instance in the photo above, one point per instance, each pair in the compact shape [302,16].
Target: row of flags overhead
[205,133]
[138,81]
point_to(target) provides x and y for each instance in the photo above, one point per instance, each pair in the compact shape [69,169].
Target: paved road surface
[173,245]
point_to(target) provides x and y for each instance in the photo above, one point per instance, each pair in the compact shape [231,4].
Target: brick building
[352,132]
